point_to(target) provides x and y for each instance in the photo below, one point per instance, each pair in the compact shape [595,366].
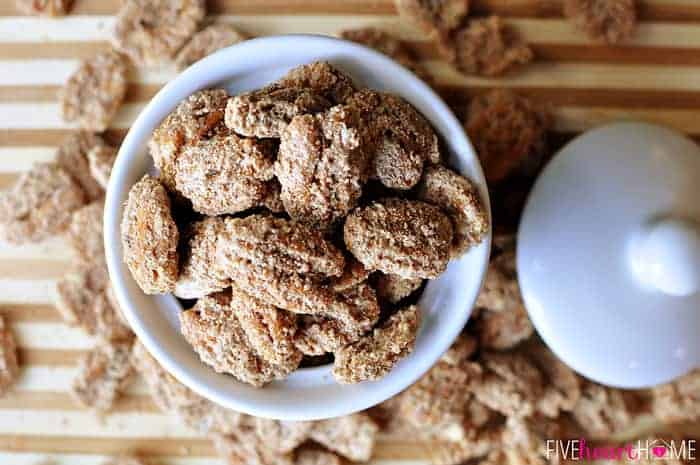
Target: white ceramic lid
[609,254]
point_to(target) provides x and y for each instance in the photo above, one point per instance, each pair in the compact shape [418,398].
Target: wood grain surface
[654,77]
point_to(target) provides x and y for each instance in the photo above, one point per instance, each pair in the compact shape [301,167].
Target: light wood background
[655,77]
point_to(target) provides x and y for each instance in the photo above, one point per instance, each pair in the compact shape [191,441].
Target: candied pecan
[503,330]
[478,443]
[485,47]
[388,45]
[199,274]
[511,384]
[273,197]
[150,32]
[267,112]
[353,275]
[562,388]
[322,166]
[281,436]
[215,332]
[72,156]
[434,16]
[352,436]
[225,174]
[104,373]
[39,204]
[81,298]
[101,159]
[44,7]
[393,288]
[678,401]
[402,138]
[403,237]
[460,199]
[242,446]
[602,411]
[205,42]
[95,91]
[300,293]
[269,330]
[150,237]
[308,456]
[322,78]
[503,321]
[172,396]
[318,335]
[198,117]
[9,367]
[610,20]
[375,355]
[508,132]
[278,243]
[438,401]
[84,234]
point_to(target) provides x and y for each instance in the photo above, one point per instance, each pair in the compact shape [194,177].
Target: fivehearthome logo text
[642,450]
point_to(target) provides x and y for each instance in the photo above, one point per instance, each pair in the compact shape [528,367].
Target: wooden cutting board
[655,77]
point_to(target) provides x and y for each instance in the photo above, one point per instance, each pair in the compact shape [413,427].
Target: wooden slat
[62,401]
[46,137]
[673,10]
[17,313]
[81,36]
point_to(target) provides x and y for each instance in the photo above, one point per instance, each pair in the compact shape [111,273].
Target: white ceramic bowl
[309,393]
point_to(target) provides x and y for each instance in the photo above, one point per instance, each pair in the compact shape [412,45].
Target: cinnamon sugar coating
[39,204]
[503,321]
[85,233]
[511,384]
[225,174]
[403,237]
[214,330]
[402,140]
[375,355]
[319,334]
[104,373]
[612,21]
[101,159]
[352,436]
[322,165]
[678,401]
[81,299]
[205,42]
[150,237]
[95,91]
[278,243]
[393,288]
[150,32]
[199,274]
[458,197]
[485,47]
[602,411]
[434,16]
[72,156]
[508,132]
[173,397]
[389,45]
[198,117]
[305,89]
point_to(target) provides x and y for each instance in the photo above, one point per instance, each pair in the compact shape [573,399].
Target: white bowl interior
[309,393]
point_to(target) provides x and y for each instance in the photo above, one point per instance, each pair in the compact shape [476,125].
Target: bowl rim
[132,147]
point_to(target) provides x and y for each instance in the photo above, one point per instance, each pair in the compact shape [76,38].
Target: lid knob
[665,256]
